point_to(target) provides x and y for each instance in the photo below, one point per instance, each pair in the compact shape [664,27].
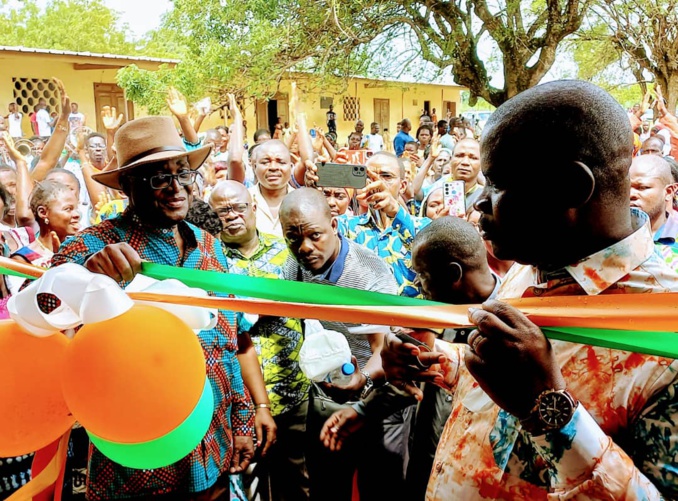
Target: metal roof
[118,57]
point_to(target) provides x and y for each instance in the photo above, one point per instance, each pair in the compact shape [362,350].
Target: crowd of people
[575,213]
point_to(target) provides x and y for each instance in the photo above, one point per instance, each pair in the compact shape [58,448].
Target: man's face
[424,136]
[649,192]
[442,130]
[516,214]
[411,148]
[652,146]
[163,207]
[375,129]
[466,162]
[312,239]
[12,108]
[214,139]
[337,199]
[74,108]
[399,127]
[237,214]
[359,126]
[442,162]
[646,126]
[96,148]
[225,137]
[8,180]
[273,165]
[388,171]
[354,142]
[37,147]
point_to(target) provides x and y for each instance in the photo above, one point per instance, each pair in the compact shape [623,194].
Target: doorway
[106,94]
[382,112]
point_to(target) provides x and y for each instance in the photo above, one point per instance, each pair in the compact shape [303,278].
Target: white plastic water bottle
[341,375]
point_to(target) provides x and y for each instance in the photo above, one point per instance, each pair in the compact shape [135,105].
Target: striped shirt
[362,270]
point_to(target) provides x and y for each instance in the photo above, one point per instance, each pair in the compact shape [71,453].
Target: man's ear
[403,186]
[576,184]
[335,225]
[455,271]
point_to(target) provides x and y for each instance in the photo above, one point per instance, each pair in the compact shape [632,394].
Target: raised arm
[55,145]
[111,124]
[236,145]
[24,185]
[419,179]
[177,105]
[303,138]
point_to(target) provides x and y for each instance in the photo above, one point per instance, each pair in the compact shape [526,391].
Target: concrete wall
[79,82]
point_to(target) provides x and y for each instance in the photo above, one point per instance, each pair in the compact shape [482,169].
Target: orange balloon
[136,377]
[33,412]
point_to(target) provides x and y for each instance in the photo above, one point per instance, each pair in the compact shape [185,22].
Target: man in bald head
[273,166]
[653,145]
[535,418]
[652,191]
[281,409]
[322,255]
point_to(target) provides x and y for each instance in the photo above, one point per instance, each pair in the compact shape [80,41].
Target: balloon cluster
[136,382]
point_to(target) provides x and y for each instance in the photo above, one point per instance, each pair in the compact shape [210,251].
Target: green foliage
[77,25]
[249,46]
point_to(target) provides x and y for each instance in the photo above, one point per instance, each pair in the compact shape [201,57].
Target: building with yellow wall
[25,76]
[89,78]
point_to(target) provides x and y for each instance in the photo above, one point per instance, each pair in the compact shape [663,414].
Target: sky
[141,15]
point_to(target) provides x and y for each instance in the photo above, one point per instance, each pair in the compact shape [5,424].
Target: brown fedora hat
[146,140]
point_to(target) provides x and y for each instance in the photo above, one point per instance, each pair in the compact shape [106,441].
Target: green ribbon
[277,290]
[657,343]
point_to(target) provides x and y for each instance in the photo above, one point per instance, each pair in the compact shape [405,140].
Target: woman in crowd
[424,136]
[55,207]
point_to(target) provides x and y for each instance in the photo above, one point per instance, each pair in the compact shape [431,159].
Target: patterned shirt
[277,340]
[234,413]
[621,442]
[665,240]
[393,244]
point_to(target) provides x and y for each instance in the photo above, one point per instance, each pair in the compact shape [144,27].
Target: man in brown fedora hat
[157,175]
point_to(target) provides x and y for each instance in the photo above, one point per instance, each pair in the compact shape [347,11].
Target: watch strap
[369,385]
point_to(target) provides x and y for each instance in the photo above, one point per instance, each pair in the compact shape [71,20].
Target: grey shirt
[362,269]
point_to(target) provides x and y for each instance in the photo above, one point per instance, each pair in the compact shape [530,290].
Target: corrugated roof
[30,50]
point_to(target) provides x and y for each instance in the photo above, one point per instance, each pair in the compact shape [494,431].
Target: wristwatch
[553,410]
[369,385]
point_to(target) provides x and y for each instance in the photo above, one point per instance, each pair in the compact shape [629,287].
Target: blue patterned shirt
[234,413]
[393,244]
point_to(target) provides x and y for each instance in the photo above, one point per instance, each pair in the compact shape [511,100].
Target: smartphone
[342,175]
[454,197]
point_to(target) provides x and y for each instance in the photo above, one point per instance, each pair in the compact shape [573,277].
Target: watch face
[555,409]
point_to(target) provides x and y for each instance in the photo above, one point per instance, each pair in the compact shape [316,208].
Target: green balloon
[167,449]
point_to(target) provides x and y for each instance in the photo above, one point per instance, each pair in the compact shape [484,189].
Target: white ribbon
[88,297]
[195,317]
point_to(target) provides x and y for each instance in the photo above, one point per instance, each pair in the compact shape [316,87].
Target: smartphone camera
[358,170]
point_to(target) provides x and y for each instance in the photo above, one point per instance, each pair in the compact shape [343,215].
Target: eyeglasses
[162,181]
[236,208]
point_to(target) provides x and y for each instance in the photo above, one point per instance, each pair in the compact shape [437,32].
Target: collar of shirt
[185,231]
[669,231]
[333,273]
[608,266]
[265,244]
